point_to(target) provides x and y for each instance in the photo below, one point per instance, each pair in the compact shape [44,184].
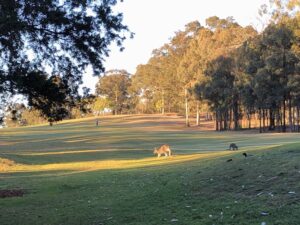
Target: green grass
[76,173]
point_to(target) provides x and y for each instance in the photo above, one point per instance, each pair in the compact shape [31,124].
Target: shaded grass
[76,177]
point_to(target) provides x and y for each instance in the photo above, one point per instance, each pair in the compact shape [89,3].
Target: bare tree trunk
[298,119]
[249,120]
[217,121]
[221,121]
[294,118]
[163,102]
[198,114]
[264,118]
[187,122]
[285,94]
[260,128]
[116,103]
[290,116]
[236,115]
[283,115]
[281,120]
[277,118]
[272,120]
[225,115]
[230,119]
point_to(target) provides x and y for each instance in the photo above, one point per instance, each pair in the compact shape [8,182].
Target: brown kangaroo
[164,149]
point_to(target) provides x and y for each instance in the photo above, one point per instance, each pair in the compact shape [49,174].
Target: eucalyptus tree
[114,86]
[218,89]
[280,63]
[294,85]
[222,38]
[192,65]
[160,75]
[156,77]
[180,45]
[267,62]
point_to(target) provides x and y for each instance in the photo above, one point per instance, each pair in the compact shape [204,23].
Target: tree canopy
[46,38]
[235,71]
[114,86]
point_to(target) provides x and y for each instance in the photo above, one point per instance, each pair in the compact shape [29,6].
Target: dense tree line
[238,73]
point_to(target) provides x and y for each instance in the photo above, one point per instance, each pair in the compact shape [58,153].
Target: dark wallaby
[233,146]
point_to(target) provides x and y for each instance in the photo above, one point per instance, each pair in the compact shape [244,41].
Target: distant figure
[164,149]
[229,160]
[245,154]
[233,146]
[97,122]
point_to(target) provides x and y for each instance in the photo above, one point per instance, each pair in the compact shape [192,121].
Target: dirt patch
[6,164]
[8,193]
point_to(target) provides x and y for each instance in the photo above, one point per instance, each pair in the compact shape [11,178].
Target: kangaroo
[164,149]
[233,146]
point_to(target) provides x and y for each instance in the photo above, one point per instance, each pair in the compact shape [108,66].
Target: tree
[83,104]
[32,116]
[14,114]
[215,22]
[267,63]
[99,105]
[157,80]
[114,86]
[54,106]
[178,48]
[64,36]
[218,89]
[222,38]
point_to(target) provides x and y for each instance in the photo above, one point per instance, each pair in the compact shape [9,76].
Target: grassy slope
[75,173]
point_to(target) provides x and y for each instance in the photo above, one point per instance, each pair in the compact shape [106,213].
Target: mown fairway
[77,173]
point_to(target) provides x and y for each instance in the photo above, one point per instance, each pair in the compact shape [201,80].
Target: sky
[154,22]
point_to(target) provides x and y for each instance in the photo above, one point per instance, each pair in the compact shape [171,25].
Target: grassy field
[77,173]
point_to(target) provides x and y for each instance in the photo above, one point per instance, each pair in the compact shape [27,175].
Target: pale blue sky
[155,21]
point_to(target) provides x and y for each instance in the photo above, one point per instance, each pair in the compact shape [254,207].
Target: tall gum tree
[220,38]
[114,86]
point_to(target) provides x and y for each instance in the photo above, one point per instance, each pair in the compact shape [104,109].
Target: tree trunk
[294,118]
[298,119]
[249,120]
[290,116]
[220,119]
[236,115]
[264,119]
[283,117]
[163,102]
[116,103]
[260,116]
[272,120]
[187,122]
[225,121]
[198,115]
[230,119]
[217,121]
[277,124]
[281,120]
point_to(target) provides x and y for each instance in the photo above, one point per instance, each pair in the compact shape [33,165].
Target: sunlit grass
[109,164]
[77,173]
